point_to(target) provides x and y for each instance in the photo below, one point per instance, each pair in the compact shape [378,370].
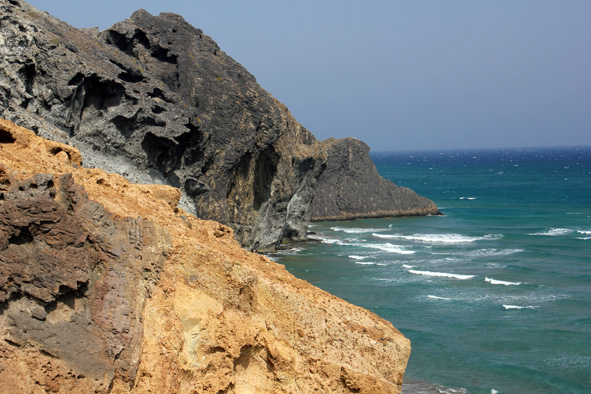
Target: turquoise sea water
[495,295]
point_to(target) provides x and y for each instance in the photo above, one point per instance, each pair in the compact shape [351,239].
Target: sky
[401,75]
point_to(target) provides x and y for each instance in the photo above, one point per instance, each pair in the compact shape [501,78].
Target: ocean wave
[500,282]
[357,230]
[388,247]
[480,252]
[365,263]
[441,274]
[325,240]
[508,307]
[438,298]
[584,238]
[585,232]
[439,238]
[408,266]
[356,257]
[554,232]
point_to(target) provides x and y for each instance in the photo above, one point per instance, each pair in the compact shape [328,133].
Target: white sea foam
[388,247]
[439,238]
[441,274]
[500,282]
[365,262]
[438,298]
[584,238]
[554,232]
[518,307]
[326,240]
[585,232]
[356,257]
[471,198]
[408,266]
[357,230]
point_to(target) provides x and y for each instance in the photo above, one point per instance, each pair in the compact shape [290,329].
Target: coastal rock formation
[154,99]
[110,287]
[349,167]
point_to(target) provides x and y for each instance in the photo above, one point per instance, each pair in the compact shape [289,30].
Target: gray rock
[351,188]
[154,99]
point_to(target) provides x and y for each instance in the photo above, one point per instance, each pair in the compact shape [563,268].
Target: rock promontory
[109,287]
[156,100]
[348,168]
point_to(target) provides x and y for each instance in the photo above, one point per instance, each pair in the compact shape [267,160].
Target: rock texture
[349,167]
[155,100]
[109,287]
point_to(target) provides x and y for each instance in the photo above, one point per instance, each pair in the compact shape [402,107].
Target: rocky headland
[156,100]
[109,287]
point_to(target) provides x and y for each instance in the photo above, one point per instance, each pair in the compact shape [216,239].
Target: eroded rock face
[155,100]
[74,279]
[349,167]
[109,287]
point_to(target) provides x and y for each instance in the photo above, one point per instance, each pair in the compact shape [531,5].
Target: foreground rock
[107,286]
[155,100]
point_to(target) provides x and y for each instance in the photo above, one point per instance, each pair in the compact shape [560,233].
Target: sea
[495,295]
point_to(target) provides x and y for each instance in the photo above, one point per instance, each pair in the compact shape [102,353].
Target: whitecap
[439,238]
[584,238]
[388,247]
[554,232]
[355,257]
[365,263]
[500,282]
[471,198]
[585,232]
[408,266]
[325,240]
[441,274]
[518,307]
[356,230]
[437,298]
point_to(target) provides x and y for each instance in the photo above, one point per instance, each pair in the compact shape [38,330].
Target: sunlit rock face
[109,287]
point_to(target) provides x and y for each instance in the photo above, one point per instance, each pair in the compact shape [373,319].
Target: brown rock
[109,287]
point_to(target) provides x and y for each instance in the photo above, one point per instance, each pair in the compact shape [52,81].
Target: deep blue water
[495,296]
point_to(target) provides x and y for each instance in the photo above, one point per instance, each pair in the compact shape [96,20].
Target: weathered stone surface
[155,100]
[109,315]
[73,278]
[349,167]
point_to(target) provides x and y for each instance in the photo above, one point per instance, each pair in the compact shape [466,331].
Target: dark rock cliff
[349,168]
[156,100]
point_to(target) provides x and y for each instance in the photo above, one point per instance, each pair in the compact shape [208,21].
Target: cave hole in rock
[6,137]
[264,173]
[23,237]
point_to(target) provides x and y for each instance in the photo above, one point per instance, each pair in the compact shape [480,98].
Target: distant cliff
[155,100]
[109,287]
[351,188]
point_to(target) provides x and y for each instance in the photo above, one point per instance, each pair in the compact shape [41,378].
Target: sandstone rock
[156,100]
[107,286]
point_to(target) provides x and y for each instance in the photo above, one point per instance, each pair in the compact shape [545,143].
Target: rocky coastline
[157,101]
[109,287]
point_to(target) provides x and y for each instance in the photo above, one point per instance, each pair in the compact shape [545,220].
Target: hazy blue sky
[414,74]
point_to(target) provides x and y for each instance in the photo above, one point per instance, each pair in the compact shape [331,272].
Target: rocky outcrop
[109,287]
[155,100]
[349,167]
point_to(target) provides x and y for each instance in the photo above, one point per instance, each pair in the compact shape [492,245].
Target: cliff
[109,287]
[349,167]
[154,99]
